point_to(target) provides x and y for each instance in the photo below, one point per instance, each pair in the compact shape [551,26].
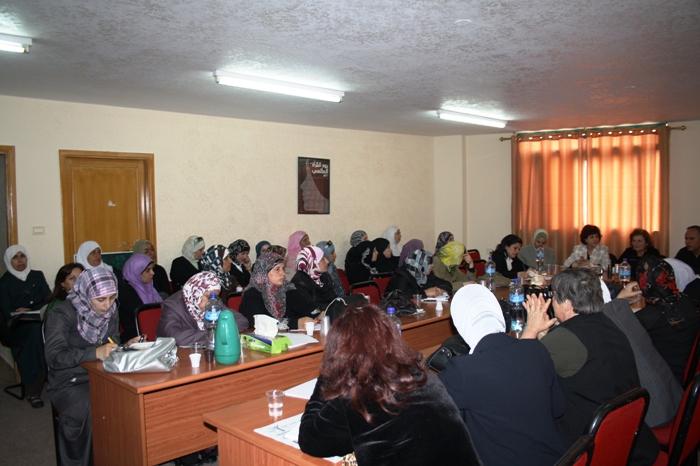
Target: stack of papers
[298,339]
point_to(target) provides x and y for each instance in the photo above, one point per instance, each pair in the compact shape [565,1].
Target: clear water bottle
[391,311]
[211,316]
[516,297]
[625,272]
[490,271]
[539,259]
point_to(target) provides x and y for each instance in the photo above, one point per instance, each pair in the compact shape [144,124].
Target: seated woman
[591,251]
[528,253]
[313,290]
[183,267]
[413,275]
[89,255]
[357,262]
[446,264]
[135,290]
[505,256]
[261,247]
[357,237]
[328,249]
[267,292]
[240,254]
[63,284]
[374,397]
[491,402]
[160,276]
[640,245]
[183,313]
[21,290]
[218,260]
[297,240]
[442,239]
[669,316]
[382,260]
[77,330]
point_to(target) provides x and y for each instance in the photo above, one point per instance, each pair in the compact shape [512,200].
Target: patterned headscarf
[442,239]
[259,246]
[192,245]
[133,268]
[360,253]
[90,284]
[84,251]
[408,249]
[275,298]
[213,261]
[308,261]
[237,247]
[418,264]
[12,252]
[657,280]
[390,235]
[293,248]
[199,284]
[357,237]
[452,254]
[279,250]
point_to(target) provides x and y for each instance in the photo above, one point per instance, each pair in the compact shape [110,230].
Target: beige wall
[218,177]
[685,182]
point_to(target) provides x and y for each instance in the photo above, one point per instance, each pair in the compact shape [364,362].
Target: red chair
[614,427]
[681,436]
[370,289]
[382,283]
[234,301]
[692,368]
[147,319]
[344,280]
[578,454]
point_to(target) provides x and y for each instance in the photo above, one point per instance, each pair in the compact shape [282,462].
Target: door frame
[10,193]
[65,155]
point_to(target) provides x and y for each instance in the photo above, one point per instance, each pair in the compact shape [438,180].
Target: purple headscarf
[133,268]
[408,249]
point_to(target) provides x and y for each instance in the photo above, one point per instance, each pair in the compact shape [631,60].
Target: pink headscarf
[308,261]
[293,248]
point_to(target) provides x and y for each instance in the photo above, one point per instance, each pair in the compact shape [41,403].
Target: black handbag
[453,346]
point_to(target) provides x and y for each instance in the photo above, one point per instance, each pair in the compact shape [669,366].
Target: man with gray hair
[592,357]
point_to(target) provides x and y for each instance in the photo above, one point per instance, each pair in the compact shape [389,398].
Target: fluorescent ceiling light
[279,87]
[15,44]
[471,119]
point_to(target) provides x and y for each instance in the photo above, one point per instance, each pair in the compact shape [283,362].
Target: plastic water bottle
[490,271]
[539,259]
[211,316]
[391,311]
[625,272]
[516,297]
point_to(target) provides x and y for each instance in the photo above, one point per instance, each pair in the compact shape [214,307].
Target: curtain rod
[681,128]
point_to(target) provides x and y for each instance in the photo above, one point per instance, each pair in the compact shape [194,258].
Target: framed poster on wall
[314,186]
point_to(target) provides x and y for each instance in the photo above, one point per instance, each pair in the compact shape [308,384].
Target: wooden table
[146,419]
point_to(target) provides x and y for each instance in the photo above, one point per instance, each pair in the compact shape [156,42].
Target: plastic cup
[275,402]
[195,358]
[309,327]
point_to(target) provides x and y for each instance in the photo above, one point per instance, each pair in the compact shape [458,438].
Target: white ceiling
[540,64]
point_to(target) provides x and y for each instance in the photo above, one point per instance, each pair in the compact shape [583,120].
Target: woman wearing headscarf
[328,249]
[393,235]
[446,264]
[528,253]
[160,276]
[89,255]
[183,267]
[357,262]
[505,256]
[313,290]
[267,291]
[491,402]
[413,275]
[240,254]
[669,316]
[182,317]
[442,239]
[135,290]
[261,247]
[357,237]
[22,290]
[382,260]
[78,330]
[218,260]
[297,240]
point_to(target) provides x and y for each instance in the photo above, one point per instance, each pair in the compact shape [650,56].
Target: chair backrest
[147,318]
[615,426]
[479,263]
[344,280]
[382,283]
[692,368]
[578,453]
[234,301]
[370,289]
[685,431]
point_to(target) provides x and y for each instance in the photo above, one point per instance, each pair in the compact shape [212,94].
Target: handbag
[159,356]
[453,346]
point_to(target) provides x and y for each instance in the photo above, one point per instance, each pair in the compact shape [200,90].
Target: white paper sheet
[303,390]
[287,431]
[299,339]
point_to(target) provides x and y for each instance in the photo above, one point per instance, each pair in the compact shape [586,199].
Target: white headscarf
[84,251]
[192,244]
[476,313]
[11,252]
[683,272]
[390,235]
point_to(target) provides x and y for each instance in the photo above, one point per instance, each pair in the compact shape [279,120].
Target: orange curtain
[614,178]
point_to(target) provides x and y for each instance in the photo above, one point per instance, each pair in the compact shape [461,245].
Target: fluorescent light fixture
[279,87]
[471,119]
[15,44]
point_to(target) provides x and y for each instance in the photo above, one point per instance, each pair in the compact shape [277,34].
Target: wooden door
[108,197]
[8,206]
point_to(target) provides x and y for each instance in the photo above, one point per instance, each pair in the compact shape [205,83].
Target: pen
[111,341]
